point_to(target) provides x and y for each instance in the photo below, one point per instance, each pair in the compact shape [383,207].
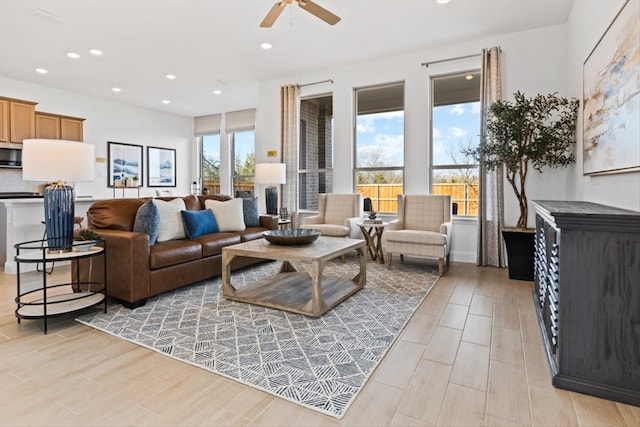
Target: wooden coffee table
[292,290]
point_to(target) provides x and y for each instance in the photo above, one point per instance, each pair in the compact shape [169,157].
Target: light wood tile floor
[470,356]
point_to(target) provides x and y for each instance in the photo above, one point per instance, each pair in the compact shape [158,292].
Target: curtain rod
[316,83]
[426,64]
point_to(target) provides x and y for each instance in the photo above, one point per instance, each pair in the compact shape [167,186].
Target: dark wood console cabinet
[587,297]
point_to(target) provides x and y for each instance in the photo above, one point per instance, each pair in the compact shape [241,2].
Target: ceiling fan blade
[273,14]
[319,11]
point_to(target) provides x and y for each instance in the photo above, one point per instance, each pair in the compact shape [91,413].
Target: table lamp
[270,174]
[58,160]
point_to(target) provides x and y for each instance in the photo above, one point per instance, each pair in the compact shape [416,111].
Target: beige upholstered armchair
[337,216]
[423,229]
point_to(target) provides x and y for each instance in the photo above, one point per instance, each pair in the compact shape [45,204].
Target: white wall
[107,121]
[587,23]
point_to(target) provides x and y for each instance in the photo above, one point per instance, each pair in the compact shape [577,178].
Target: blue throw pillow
[148,220]
[198,223]
[250,212]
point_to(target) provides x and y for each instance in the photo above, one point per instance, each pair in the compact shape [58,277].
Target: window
[455,127]
[315,162]
[243,149]
[210,169]
[379,157]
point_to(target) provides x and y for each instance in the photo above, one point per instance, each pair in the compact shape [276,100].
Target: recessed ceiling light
[469,77]
[443,1]
[266,46]
[166,101]
[42,70]
[96,52]
[170,76]
[73,55]
[217,92]
[116,89]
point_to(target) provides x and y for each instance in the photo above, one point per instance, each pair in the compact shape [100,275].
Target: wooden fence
[384,197]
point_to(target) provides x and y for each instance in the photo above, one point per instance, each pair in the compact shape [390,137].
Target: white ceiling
[215,44]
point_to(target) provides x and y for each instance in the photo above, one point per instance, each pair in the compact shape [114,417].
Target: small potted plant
[134,181]
[529,133]
[87,238]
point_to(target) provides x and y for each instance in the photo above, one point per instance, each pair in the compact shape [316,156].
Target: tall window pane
[456,127]
[380,145]
[211,163]
[244,159]
[315,163]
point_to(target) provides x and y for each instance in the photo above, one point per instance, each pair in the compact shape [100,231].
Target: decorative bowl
[296,236]
[84,245]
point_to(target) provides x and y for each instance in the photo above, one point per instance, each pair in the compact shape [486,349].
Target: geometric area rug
[320,363]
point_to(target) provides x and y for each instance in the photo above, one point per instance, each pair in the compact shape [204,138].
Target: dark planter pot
[520,253]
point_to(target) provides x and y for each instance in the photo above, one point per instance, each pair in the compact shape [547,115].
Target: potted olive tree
[528,133]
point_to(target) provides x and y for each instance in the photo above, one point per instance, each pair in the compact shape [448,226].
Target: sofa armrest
[395,224]
[269,222]
[127,264]
[315,219]
[445,228]
[354,230]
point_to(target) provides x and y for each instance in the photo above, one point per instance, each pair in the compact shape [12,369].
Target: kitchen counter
[21,221]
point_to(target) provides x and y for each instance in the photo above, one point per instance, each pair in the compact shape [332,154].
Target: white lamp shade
[56,159]
[271,173]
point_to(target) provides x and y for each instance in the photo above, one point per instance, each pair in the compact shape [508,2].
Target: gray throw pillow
[250,211]
[148,220]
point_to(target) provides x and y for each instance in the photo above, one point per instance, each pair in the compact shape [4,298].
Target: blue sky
[455,127]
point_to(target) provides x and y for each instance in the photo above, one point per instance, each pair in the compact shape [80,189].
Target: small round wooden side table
[373,235]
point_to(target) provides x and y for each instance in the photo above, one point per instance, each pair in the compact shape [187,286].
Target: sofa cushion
[148,220]
[228,214]
[197,223]
[250,212]
[251,233]
[114,214]
[212,244]
[204,197]
[174,252]
[416,236]
[171,226]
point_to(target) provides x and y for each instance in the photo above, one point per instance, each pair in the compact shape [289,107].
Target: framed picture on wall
[161,170]
[611,98]
[125,164]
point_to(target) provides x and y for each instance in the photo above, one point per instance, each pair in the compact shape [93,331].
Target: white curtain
[491,191]
[290,97]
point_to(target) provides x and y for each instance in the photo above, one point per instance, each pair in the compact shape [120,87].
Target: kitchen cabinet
[587,294]
[4,120]
[55,126]
[19,122]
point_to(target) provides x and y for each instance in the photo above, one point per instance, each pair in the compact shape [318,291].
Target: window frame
[433,168]
[302,150]
[393,169]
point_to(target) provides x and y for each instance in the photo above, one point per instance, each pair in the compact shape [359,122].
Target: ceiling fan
[307,5]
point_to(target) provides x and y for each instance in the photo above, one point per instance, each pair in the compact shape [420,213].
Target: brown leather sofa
[137,271]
